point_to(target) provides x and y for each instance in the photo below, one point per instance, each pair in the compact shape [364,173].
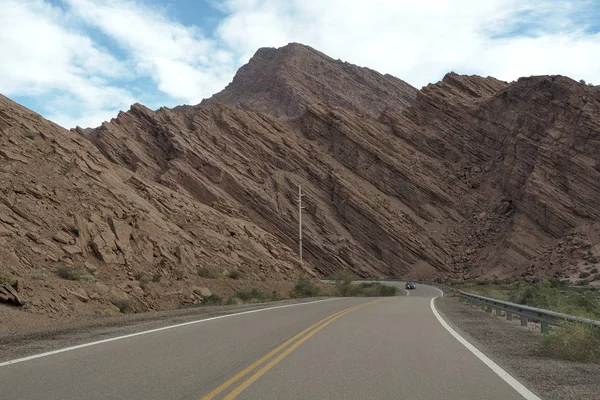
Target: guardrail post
[508,316]
[524,321]
[489,308]
[545,328]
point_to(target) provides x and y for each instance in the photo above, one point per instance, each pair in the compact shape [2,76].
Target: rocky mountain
[470,177]
[80,235]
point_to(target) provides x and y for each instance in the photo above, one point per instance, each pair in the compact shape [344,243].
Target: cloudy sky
[78,62]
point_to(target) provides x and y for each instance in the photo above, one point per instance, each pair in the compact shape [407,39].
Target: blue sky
[78,62]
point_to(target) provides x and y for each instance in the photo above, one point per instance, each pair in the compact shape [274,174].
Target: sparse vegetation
[305,288]
[584,274]
[38,275]
[551,294]
[594,270]
[234,274]
[573,341]
[207,272]
[253,294]
[212,300]
[156,278]
[233,300]
[7,279]
[179,274]
[29,135]
[374,290]
[74,274]
[142,277]
[124,305]
[343,281]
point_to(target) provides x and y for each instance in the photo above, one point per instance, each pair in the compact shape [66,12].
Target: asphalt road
[351,348]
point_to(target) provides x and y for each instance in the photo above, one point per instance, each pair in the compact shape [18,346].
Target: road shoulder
[514,348]
[23,343]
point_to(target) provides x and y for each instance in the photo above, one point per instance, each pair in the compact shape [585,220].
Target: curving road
[349,348]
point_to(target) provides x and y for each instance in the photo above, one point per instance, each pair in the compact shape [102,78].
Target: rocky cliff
[80,235]
[466,178]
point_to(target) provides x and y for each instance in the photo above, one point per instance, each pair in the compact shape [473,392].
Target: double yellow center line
[289,346]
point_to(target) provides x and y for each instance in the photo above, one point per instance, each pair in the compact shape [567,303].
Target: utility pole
[300,194]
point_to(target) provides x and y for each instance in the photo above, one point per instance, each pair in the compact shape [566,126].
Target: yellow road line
[257,363]
[280,357]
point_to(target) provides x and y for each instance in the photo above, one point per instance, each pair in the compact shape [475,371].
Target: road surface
[350,348]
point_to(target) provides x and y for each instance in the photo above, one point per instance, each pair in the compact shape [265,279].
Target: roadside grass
[345,283]
[304,287]
[124,305]
[552,295]
[573,341]
[253,296]
[212,300]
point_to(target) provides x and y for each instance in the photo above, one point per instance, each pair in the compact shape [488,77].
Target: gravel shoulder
[26,342]
[515,349]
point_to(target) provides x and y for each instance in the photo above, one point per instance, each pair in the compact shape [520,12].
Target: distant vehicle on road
[409,285]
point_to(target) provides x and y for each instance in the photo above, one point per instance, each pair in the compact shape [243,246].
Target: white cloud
[52,54]
[419,41]
[184,64]
[41,56]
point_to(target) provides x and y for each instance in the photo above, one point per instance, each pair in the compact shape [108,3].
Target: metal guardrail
[526,313]
[545,317]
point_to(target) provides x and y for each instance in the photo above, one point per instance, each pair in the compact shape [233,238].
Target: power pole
[300,194]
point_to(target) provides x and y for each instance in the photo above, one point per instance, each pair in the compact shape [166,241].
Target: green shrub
[29,135]
[179,274]
[584,274]
[305,288]
[7,279]
[212,300]
[250,295]
[573,341]
[207,272]
[275,296]
[156,278]
[375,290]
[142,277]
[594,270]
[233,300]
[343,281]
[74,274]
[124,305]
[38,275]
[234,274]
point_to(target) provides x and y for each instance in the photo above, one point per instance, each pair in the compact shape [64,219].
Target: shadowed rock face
[465,178]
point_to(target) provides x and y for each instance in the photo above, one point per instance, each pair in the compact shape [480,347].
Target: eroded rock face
[465,178]
[66,211]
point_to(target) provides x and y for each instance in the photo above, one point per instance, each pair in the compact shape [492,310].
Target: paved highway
[350,348]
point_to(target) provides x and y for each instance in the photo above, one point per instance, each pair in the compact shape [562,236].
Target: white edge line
[164,328]
[522,390]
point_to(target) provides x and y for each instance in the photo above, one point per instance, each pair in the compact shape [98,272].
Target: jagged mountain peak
[283,81]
